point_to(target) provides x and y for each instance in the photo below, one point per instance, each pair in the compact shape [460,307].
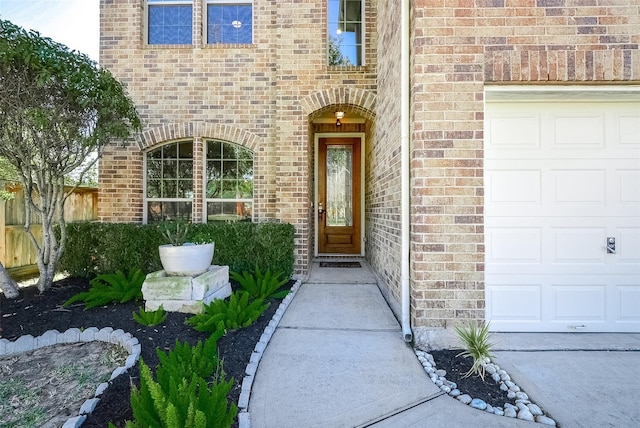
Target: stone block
[156,274]
[220,293]
[48,338]
[167,288]
[88,406]
[75,422]
[88,335]
[24,344]
[214,278]
[184,306]
[70,336]
[3,346]
[104,334]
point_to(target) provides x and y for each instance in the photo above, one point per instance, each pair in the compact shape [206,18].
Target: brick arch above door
[360,101]
[176,131]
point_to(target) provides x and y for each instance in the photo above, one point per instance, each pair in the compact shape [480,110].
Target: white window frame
[145,215]
[148,3]
[205,200]
[205,21]
[364,36]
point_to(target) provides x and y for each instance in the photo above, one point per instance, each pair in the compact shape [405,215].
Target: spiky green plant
[149,318]
[224,315]
[259,285]
[111,288]
[476,344]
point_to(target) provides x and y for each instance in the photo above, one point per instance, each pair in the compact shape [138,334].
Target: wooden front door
[339,186]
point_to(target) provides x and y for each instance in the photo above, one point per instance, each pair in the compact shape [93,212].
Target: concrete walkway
[337,359]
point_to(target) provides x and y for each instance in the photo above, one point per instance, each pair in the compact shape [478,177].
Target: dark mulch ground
[457,367]
[34,313]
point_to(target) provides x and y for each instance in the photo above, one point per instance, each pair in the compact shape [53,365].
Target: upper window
[344,32]
[170,22]
[170,182]
[229,21]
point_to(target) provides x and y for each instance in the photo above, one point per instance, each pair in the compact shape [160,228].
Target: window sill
[348,69]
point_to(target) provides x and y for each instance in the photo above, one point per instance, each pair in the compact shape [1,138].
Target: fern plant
[476,343]
[149,318]
[184,359]
[181,402]
[111,288]
[223,315]
[261,286]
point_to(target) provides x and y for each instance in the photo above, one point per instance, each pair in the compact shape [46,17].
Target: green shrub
[259,285]
[476,344]
[223,315]
[96,248]
[149,318]
[181,402]
[184,359]
[111,288]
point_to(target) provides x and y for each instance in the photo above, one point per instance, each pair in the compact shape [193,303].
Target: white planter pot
[186,260]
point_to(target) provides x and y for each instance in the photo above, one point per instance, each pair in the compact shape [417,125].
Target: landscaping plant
[189,390]
[223,315]
[476,344]
[149,318]
[261,286]
[111,288]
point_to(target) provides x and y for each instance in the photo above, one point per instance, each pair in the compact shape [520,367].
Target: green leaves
[223,315]
[261,286]
[475,341]
[149,318]
[111,288]
[180,396]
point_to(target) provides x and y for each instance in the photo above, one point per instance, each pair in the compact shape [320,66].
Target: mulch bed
[34,313]
[457,367]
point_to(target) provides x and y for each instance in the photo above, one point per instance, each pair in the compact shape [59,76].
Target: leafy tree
[335,53]
[56,107]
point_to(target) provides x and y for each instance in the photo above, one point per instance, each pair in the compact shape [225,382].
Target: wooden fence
[15,247]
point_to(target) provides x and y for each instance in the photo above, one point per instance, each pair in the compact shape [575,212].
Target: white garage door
[561,178]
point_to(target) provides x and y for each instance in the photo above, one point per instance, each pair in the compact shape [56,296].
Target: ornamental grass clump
[476,344]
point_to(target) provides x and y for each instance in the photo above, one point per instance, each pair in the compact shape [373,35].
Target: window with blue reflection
[229,22]
[170,22]
[344,32]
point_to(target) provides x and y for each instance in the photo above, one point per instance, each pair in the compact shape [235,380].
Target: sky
[74,23]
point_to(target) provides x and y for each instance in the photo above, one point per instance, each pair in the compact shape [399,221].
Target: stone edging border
[244,420]
[524,409]
[75,335]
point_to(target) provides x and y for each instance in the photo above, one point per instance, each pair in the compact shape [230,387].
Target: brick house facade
[274,96]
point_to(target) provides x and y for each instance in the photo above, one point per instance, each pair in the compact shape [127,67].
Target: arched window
[228,182]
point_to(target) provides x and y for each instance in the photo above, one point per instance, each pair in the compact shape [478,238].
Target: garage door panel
[551,201]
[514,187]
[627,303]
[627,132]
[578,245]
[628,245]
[577,132]
[579,303]
[629,185]
[516,301]
[509,131]
[514,245]
[583,186]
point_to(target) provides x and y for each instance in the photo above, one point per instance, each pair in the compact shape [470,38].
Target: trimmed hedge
[99,248]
